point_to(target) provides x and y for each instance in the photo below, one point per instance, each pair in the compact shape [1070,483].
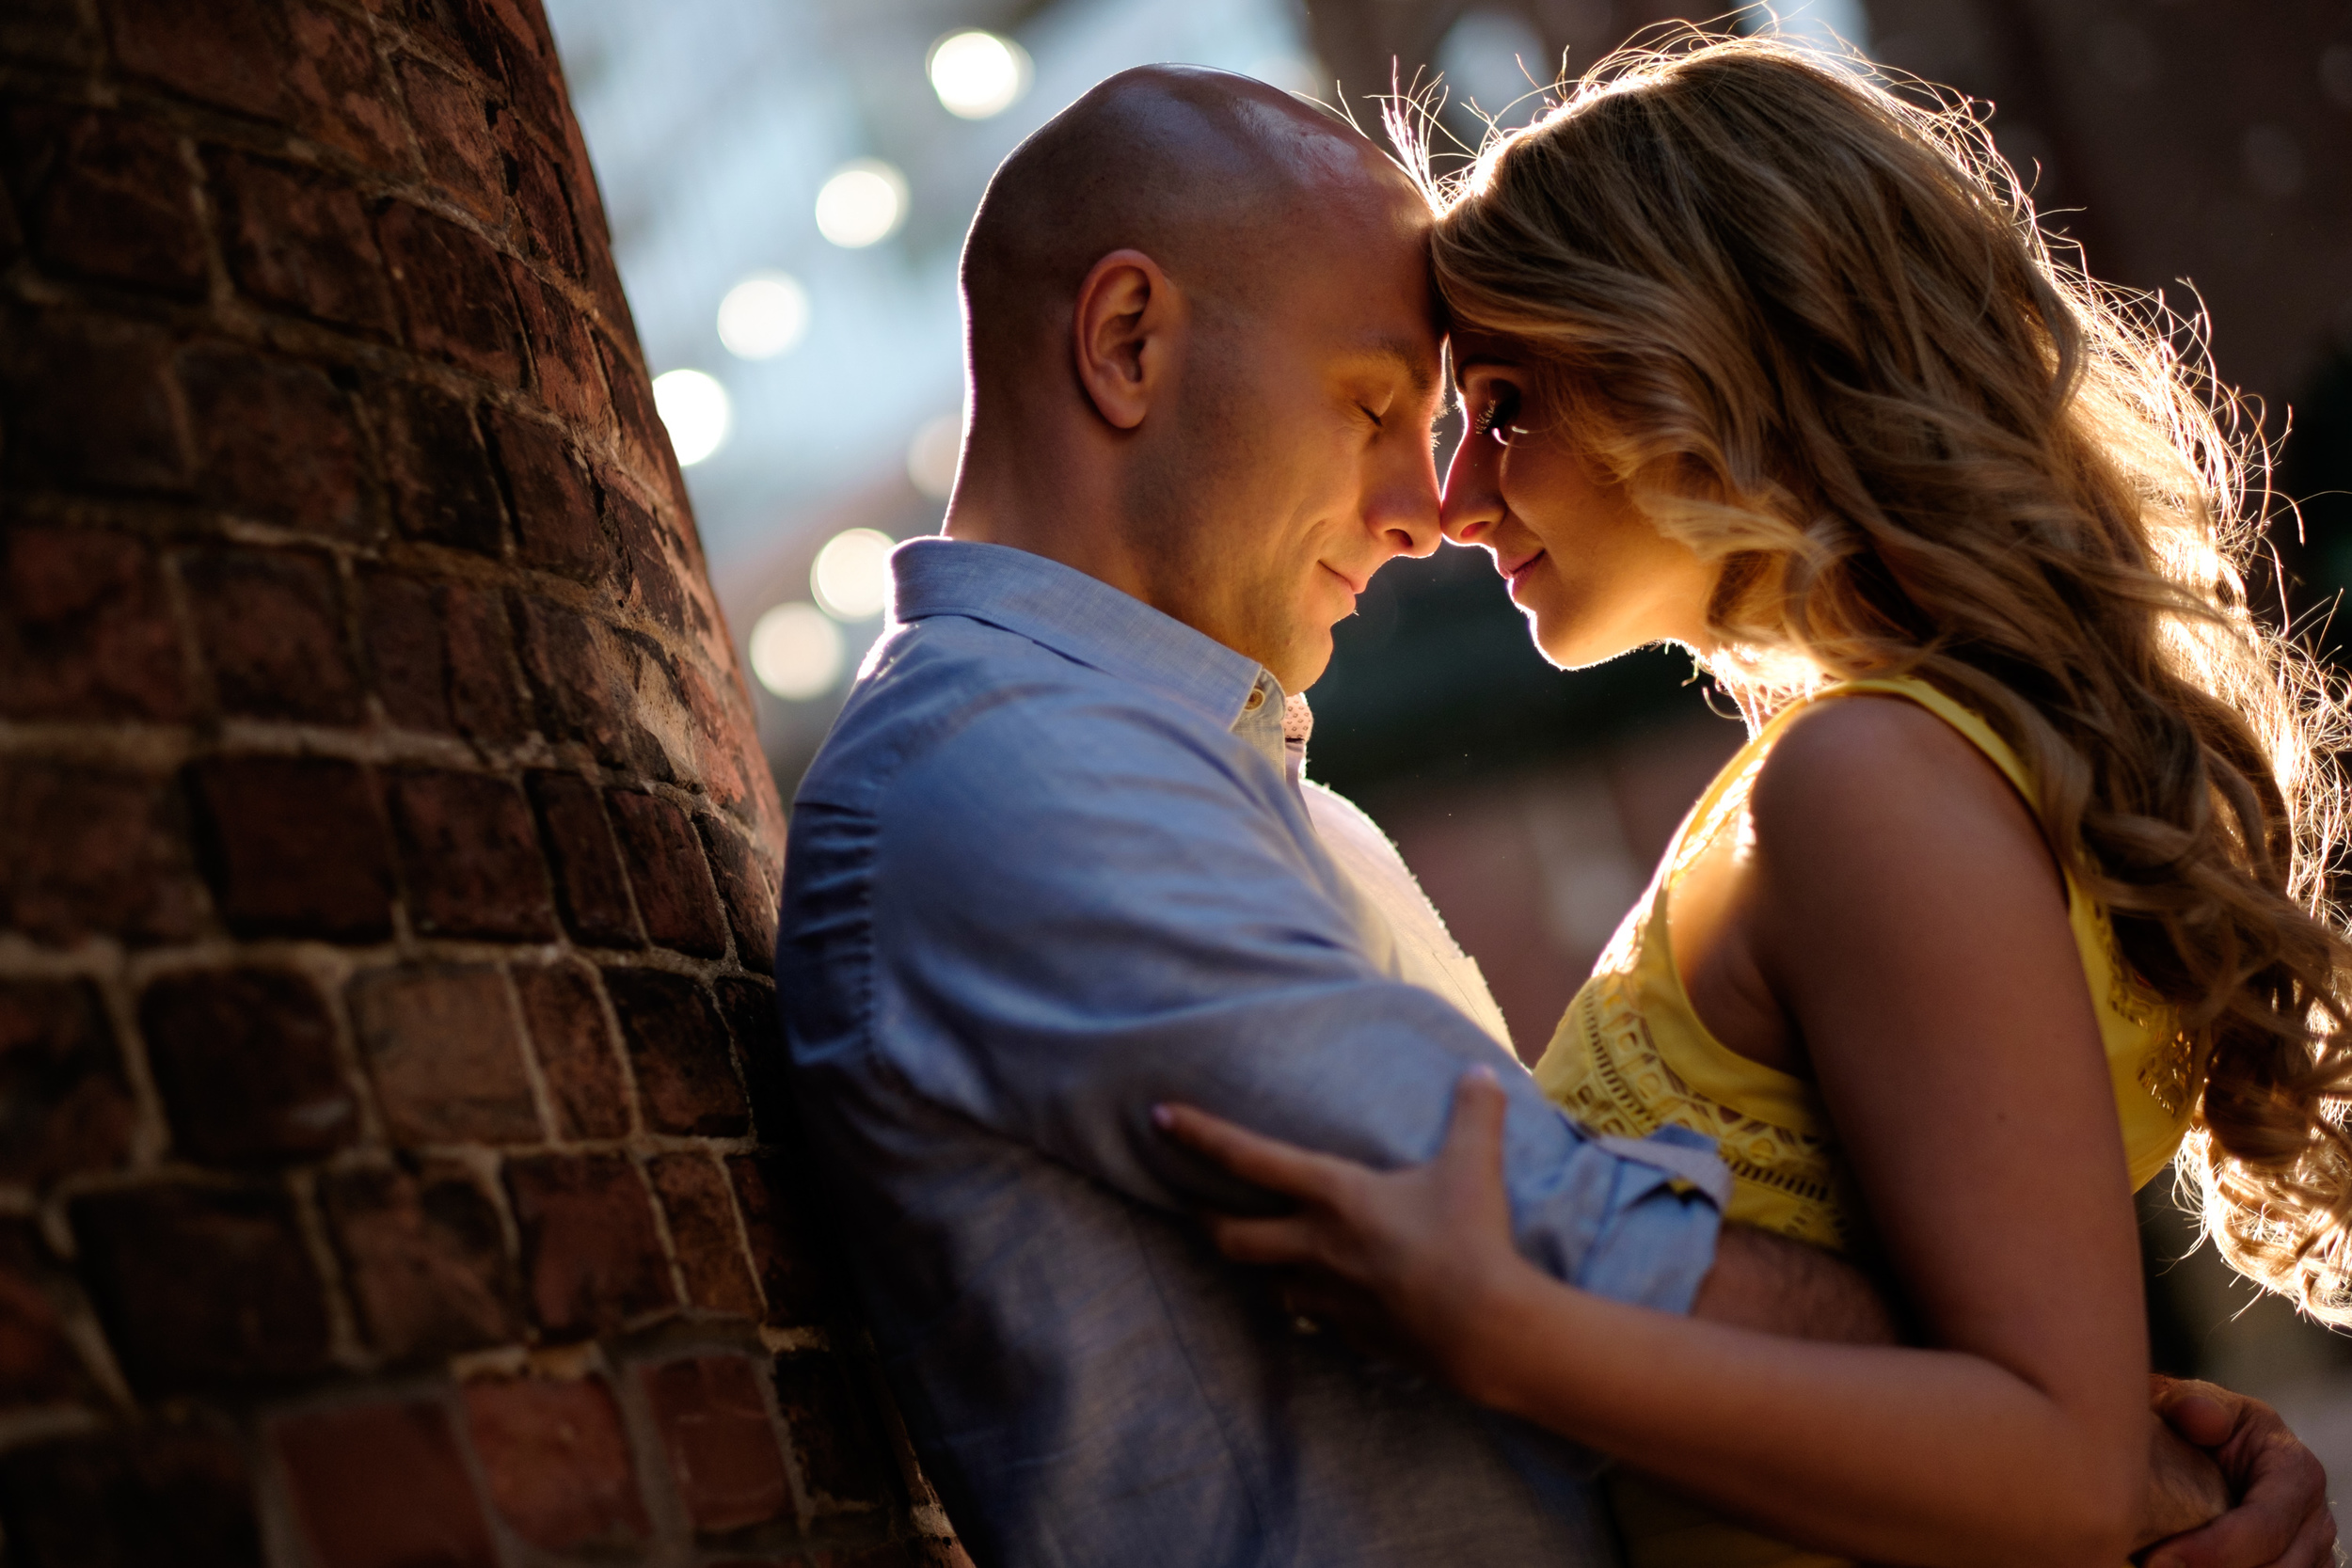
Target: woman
[2013,894]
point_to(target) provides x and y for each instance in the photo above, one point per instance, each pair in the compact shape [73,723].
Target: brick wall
[389,1166]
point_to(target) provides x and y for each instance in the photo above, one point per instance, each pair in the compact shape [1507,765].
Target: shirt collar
[1087,620]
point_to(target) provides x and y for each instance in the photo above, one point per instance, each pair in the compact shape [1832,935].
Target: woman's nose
[1472,500]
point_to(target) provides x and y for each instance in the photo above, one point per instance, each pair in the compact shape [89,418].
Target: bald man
[1055,864]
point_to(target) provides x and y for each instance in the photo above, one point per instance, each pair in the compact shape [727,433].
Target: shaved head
[1203,357]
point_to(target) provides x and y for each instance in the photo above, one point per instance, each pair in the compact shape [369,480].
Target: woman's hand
[1429,1244]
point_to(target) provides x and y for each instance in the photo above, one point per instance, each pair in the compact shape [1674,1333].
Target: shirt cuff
[1658,1240]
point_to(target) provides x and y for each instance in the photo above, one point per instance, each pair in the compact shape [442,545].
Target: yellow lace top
[1631,1056]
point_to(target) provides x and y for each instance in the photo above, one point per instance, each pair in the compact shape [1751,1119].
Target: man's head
[1205,358]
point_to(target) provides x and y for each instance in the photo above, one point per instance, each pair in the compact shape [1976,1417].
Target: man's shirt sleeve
[1054,946]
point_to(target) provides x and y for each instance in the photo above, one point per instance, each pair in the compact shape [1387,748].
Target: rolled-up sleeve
[1053,950]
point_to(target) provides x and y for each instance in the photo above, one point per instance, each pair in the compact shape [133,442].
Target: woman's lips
[1517,572]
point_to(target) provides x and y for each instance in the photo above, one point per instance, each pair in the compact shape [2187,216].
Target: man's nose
[1404,506]
[1472,501]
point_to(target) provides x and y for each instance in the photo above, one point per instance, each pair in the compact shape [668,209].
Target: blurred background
[789,181]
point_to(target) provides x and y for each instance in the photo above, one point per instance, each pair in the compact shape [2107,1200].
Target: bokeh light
[932,456]
[763,316]
[797,651]
[862,204]
[978,74]
[695,409]
[852,578]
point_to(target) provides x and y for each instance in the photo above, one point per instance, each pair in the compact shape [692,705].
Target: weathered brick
[161,1493]
[452,293]
[645,440]
[678,1049]
[274,440]
[441,657]
[38,1365]
[382,1486]
[441,1046]
[591,1259]
[453,129]
[701,1210]
[86,631]
[470,856]
[92,851]
[840,1464]
[587,866]
[293,846]
[563,359]
[674,894]
[229,53]
[785,1249]
[93,403]
[56,31]
[743,890]
[540,197]
[556,525]
[582,676]
[338,89]
[247,1065]
[107,197]
[425,1259]
[750,1008]
[271,627]
[299,239]
[443,490]
[721,1441]
[577,1055]
[201,1286]
[639,543]
[558,1461]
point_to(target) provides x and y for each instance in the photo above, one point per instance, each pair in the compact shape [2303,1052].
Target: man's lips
[1354,585]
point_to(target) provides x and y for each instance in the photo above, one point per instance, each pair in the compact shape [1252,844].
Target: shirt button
[1255,701]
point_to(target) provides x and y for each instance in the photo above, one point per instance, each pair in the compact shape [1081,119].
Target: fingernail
[1163,1116]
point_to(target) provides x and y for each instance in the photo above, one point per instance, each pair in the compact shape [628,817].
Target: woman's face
[1593,577]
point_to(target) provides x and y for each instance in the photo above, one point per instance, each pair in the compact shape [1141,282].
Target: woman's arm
[1903,909]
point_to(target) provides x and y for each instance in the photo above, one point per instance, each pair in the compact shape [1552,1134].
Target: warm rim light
[852,578]
[763,316]
[862,204]
[797,651]
[695,409]
[978,74]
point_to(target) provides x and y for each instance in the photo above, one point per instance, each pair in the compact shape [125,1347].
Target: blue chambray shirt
[1047,871]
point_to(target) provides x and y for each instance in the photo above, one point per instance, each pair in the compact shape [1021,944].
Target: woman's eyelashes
[1503,406]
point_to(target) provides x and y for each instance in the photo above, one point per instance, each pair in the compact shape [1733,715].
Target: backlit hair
[1812,323]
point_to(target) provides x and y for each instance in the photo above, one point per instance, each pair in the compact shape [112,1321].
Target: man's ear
[1129,321]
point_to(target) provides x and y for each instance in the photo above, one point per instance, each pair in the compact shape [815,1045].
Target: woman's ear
[1128,321]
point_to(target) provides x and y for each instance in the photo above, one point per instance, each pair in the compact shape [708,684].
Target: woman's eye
[1495,419]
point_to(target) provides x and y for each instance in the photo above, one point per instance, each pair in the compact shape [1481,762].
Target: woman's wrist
[1501,1313]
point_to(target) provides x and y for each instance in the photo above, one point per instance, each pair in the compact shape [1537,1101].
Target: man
[1054,866]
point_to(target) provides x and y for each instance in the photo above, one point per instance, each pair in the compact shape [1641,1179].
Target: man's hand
[2281,1518]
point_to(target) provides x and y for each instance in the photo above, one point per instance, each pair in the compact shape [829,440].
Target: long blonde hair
[1812,323]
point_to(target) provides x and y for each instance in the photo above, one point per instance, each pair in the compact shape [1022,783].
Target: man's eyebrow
[1409,358]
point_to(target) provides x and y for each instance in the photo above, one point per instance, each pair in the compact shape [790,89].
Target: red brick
[721,1440]
[674,894]
[701,1208]
[201,1286]
[455,132]
[452,293]
[641,542]
[587,866]
[382,1486]
[106,197]
[161,1493]
[678,1049]
[470,856]
[92,851]
[556,526]
[784,1247]
[229,53]
[443,489]
[540,197]
[592,1260]
[558,1461]
[270,624]
[441,1046]
[247,1065]
[93,403]
[38,1365]
[426,1261]
[56,31]
[86,631]
[293,846]
[581,674]
[840,1464]
[299,238]
[577,1055]
[338,89]
[743,890]
[644,439]
[563,359]
[749,1008]
[441,657]
[274,440]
